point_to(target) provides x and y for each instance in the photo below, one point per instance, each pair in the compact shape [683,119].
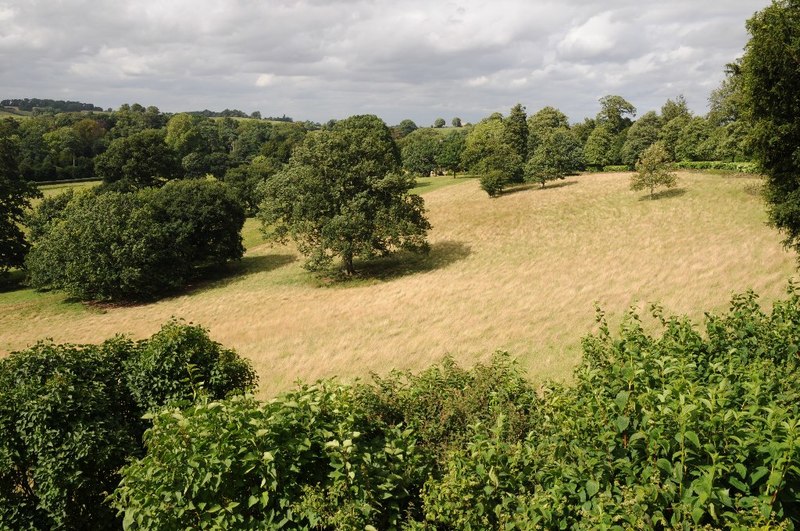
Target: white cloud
[265,80]
[595,37]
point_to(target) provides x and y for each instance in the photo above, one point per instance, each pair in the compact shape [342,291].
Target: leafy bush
[180,362]
[677,430]
[122,246]
[309,459]
[444,403]
[67,423]
[71,416]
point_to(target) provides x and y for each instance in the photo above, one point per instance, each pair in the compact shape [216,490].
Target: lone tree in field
[771,97]
[342,196]
[653,170]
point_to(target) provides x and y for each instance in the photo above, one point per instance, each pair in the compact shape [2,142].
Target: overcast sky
[418,59]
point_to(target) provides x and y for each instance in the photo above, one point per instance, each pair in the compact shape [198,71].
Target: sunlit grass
[521,273]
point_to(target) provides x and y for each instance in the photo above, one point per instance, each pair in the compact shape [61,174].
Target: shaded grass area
[521,272]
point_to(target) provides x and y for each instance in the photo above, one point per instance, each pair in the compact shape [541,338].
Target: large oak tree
[342,196]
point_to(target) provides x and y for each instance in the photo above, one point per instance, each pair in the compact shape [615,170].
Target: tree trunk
[347,260]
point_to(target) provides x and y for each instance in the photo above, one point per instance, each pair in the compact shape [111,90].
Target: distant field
[18,115]
[520,273]
[55,189]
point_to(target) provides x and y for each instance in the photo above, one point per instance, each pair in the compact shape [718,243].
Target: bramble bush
[71,416]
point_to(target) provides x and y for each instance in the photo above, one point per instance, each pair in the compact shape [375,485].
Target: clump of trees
[342,196]
[72,415]
[123,246]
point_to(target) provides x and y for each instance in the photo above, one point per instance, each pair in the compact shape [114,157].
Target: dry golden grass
[520,273]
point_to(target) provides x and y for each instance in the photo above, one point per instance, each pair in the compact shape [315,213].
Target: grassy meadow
[520,273]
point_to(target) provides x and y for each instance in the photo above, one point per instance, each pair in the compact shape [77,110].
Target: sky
[416,59]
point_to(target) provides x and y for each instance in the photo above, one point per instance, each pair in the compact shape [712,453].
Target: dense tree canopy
[486,150]
[419,150]
[541,123]
[139,160]
[642,134]
[448,157]
[15,198]
[599,148]
[341,196]
[771,88]
[616,113]
[124,246]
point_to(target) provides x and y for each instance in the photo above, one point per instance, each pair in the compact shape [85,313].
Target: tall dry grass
[520,273]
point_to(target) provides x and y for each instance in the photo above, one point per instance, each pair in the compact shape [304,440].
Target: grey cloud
[316,59]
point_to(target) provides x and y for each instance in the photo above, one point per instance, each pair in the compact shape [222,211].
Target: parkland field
[522,273]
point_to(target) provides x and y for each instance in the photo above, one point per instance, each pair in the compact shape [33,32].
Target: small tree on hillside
[439,123]
[653,170]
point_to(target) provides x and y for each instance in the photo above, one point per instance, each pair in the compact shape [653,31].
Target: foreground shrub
[310,459]
[122,246]
[71,416]
[678,431]
[67,423]
[444,403]
[180,362]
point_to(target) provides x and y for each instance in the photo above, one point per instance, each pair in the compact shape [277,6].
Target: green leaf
[738,484]
[692,437]
[592,487]
[622,423]
[664,465]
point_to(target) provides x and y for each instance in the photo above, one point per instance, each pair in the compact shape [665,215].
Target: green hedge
[622,167]
[737,167]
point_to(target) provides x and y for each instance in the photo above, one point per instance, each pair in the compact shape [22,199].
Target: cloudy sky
[418,59]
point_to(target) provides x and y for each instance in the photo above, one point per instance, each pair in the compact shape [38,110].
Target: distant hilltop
[29,104]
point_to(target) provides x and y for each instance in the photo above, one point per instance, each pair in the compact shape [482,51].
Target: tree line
[48,105]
